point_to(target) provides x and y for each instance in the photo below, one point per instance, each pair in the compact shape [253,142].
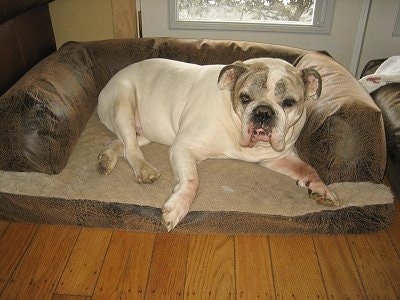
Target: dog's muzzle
[263,125]
[261,121]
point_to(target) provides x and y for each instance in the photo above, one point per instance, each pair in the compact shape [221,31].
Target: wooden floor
[49,262]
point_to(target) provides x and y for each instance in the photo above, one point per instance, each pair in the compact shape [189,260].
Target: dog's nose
[262,113]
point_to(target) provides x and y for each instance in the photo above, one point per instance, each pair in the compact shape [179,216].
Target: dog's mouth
[259,134]
[255,134]
[262,133]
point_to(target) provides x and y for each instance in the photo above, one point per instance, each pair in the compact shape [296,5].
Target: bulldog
[251,111]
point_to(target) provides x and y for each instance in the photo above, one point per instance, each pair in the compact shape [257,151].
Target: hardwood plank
[138,267]
[13,244]
[83,267]
[168,267]
[3,226]
[210,267]
[42,264]
[394,229]
[254,278]
[295,268]
[126,266]
[70,297]
[110,281]
[378,264]
[338,269]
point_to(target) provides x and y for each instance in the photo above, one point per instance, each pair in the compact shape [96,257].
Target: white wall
[378,41]
[339,43]
[81,20]
[92,20]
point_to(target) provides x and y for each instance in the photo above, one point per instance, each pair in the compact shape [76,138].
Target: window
[256,15]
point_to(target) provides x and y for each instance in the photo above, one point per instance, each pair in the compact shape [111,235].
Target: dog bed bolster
[43,114]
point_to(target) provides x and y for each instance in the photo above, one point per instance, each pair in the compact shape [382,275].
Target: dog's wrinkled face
[268,95]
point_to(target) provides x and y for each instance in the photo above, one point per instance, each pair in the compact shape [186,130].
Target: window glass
[267,15]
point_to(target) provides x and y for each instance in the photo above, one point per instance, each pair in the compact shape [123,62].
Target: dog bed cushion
[235,197]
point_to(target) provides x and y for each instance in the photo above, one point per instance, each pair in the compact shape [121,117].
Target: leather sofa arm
[12,8]
[387,98]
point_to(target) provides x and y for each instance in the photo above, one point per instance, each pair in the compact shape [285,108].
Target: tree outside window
[307,16]
[275,11]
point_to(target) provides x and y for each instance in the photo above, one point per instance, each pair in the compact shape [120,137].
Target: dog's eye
[288,102]
[244,98]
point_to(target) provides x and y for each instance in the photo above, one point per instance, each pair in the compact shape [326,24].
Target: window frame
[396,30]
[323,16]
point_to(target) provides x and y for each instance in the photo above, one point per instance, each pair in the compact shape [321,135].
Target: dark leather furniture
[26,36]
[387,98]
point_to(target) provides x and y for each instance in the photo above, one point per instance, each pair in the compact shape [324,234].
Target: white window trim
[322,21]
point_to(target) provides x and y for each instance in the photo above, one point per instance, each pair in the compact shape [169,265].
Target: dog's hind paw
[105,164]
[147,174]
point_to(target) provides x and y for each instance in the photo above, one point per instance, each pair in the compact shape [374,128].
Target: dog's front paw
[146,173]
[172,213]
[319,192]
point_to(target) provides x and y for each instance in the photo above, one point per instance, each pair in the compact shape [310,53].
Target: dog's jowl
[251,110]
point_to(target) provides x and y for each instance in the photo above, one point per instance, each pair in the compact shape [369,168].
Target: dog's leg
[306,176]
[184,166]
[144,172]
[126,131]
[108,158]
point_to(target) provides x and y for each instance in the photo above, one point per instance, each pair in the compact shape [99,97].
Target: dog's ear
[229,74]
[312,82]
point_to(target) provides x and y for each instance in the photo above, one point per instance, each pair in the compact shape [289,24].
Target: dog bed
[235,197]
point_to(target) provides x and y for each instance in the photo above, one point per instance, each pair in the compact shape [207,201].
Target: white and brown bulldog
[251,110]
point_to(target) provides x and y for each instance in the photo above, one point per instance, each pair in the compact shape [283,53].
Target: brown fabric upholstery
[45,119]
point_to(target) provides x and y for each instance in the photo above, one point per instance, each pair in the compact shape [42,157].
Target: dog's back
[159,89]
